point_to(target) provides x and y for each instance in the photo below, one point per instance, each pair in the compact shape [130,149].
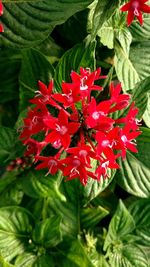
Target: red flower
[103,167]
[135,8]
[1,8]
[52,163]
[61,129]
[33,147]
[75,168]
[97,116]
[85,81]
[70,95]
[118,101]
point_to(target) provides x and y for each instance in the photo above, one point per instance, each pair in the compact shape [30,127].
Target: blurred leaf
[146,115]
[140,211]
[121,225]
[47,233]
[34,67]
[33,260]
[27,24]
[81,55]
[3,263]
[15,228]
[6,179]
[12,195]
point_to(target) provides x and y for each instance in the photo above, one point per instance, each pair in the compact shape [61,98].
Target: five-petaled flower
[74,133]
[135,9]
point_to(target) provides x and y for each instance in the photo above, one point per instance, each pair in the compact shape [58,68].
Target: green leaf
[133,176]
[33,260]
[7,179]
[34,67]
[9,69]
[140,95]
[12,195]
[128,256]
[7,140]
[106,33]
[94,188]
[91,216]
[27,24]
[103,11]
[47,233]
[141,33]
[146,115]
[36,185]
[125,70]
[142,64]
[81,55]
[78,255]
[121,225]
[140,211]
[3,263]
[15,228]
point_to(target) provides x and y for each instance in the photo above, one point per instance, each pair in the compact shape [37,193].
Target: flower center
[83,153]
[135,6]
[61,129]
[83,86]
[124,138]
[52,163]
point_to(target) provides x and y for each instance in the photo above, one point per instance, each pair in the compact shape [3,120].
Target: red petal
[1,28]
[62,118]
[126,7]
[145,8]
[73,127]
[65,140]
[51,137]
[1,9]
[130,17]
[140,18]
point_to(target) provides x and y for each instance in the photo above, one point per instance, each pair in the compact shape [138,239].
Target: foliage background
[43,220]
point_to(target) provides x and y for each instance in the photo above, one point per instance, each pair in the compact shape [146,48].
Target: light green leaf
[47,233]
[33,260]
[125,70]
[81,55]
[140,95]
[121,225]
[140,211]
[15,228]
[34,67]
[128,256]
[133,176]
[3,263]
[106,33]
[27,24]
[103,11]
[146,115]
[125,38]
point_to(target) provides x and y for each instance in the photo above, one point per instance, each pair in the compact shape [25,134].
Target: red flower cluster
[1,13]
[82,130]
[135,9]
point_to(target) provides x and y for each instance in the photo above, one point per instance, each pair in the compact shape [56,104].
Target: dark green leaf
[34,67]
[47,233]
[27,24]
[7,140]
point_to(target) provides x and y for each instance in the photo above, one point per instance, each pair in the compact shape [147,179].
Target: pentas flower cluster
[82,133]
[135,9]
[1,13]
